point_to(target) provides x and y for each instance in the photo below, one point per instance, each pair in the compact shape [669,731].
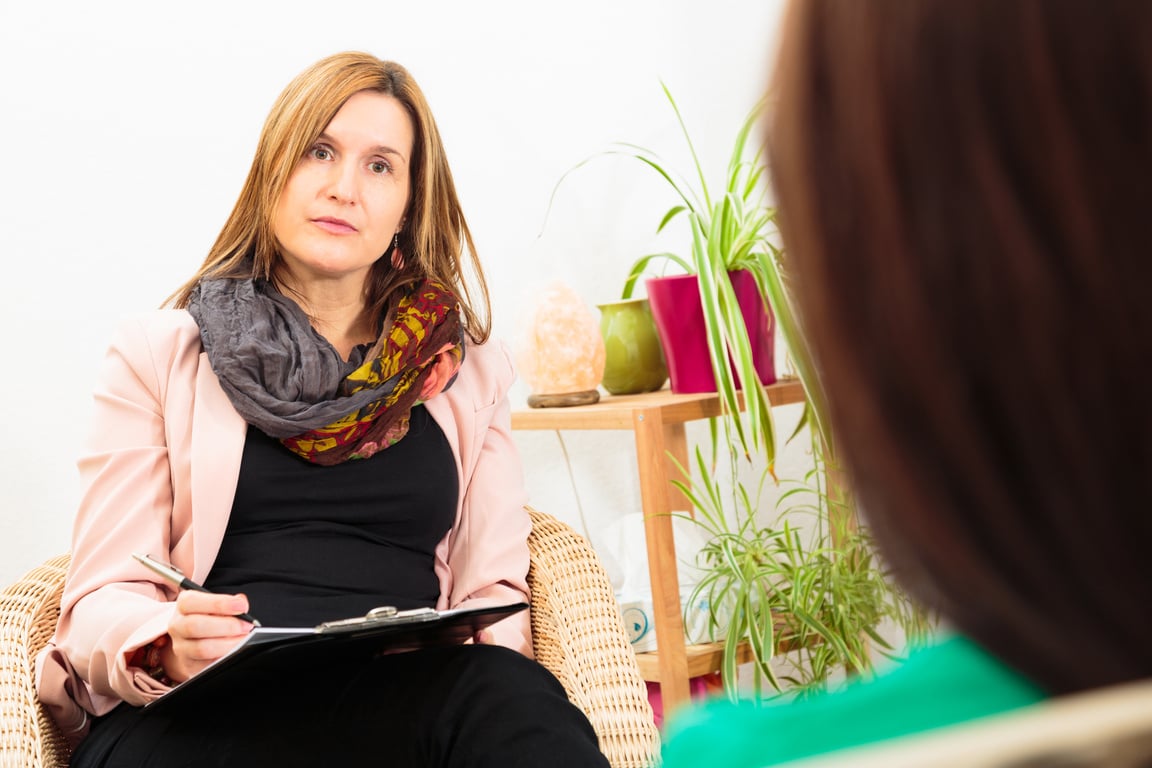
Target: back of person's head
[963,193]
[434,235]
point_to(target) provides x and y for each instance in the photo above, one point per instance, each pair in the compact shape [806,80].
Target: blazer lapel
[445,410]
[442,409]
[218,433]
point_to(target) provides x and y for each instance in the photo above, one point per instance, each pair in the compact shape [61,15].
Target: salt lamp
[560,353]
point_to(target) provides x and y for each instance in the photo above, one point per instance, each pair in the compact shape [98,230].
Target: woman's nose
[342,182]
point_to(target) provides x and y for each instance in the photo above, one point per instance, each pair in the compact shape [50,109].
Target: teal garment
[946,683]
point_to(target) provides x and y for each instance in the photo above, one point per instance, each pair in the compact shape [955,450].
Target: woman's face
[345,200]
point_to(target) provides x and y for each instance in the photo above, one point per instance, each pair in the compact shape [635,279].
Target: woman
[316,428]
[963,190]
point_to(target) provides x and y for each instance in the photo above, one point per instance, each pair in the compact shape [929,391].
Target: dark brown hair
[963,188]
[435,239]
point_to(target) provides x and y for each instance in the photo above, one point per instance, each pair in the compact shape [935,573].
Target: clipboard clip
[385,614]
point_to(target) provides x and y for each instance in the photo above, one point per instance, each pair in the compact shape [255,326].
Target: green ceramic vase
[634,359]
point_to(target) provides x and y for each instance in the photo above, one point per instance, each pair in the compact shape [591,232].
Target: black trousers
[472,705]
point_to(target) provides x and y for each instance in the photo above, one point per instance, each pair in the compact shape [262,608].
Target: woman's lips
[333,225]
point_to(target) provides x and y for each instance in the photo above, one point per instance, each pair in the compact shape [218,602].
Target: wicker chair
[577,633]
[1105,728]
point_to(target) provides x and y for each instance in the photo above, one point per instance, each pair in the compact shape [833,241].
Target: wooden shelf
[657,420]
[703,659]
[617,411]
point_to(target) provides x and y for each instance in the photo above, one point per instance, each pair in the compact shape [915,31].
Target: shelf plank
[703,659]
[616,411]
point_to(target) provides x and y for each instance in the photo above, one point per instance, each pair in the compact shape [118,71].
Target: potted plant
[728,258]
[726,267]
[809,582]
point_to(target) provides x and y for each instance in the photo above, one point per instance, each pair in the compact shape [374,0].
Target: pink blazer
[159,474]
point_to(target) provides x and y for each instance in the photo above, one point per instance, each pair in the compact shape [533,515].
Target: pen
[177,577]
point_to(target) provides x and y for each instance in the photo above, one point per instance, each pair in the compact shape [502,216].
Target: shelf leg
[655,491]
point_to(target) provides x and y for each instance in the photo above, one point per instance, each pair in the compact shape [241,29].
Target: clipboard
[272,652]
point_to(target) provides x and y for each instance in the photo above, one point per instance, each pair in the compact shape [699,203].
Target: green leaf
[672,213]
[691,146]
[640,266]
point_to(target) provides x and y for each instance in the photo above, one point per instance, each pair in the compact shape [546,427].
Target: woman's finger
[191,601]
[203,628]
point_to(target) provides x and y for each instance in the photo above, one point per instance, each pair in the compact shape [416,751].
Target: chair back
[29,608]
[578,633]
[1107,728]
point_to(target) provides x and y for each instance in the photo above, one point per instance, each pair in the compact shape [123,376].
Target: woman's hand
[203,629]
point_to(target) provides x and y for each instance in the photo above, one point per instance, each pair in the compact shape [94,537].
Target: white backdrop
[128,126]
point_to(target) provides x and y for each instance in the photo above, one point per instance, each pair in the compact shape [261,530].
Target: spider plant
[808,584]
[730,229]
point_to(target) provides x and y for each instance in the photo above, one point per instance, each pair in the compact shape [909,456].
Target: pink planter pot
[679,317]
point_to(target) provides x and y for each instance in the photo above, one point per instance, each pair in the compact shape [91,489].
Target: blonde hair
[435,235]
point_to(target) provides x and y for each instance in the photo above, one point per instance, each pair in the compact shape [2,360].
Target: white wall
[128,126]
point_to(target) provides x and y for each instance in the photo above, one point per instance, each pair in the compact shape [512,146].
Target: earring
[397,257]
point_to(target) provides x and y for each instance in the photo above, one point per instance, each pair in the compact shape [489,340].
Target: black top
[308,543]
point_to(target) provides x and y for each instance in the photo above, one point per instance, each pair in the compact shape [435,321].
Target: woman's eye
[321,153]
[379,166]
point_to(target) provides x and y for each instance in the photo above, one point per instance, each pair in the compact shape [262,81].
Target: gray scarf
[280,374]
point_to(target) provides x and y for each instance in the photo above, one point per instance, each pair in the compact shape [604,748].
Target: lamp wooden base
[566,399]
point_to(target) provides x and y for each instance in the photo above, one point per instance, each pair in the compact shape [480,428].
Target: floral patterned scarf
[287,380]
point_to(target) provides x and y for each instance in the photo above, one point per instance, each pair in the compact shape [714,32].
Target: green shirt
[943,684]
